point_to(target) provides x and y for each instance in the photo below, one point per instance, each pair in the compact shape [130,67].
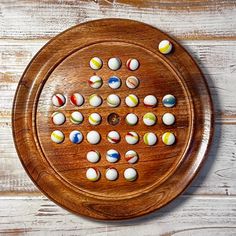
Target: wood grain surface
[207,30]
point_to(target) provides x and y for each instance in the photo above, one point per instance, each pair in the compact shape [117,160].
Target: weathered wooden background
[207,29]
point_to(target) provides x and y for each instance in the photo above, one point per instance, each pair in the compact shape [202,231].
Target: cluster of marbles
[112,156]
[111,174]
[113,100]
[76,117]
[93,137]
[76,137]
[114,63]
[114,82]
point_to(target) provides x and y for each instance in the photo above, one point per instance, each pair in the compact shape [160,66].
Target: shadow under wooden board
[106,125]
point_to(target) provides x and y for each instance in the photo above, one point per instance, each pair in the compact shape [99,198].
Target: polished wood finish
[59,170]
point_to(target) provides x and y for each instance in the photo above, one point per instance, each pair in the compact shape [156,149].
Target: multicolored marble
[114,82]
[58,118]
[114,63]
[76,117]
[93,174]
[132,82]
[130,174]
[58,100]
[112,155]
[131,100]
[168,119]
[165,46]
[132,138]
[168,138]
[131,157]
[76,137]
[95,119]
[169,100]
[111,174]
[131,119]
[132,64]
[113,100]
[95,81]
[150,101]
[95,63]
[149,119]
[77,99]
[150,138]
[95,100]
[93,156]
[57,136]
[93,137]
[113,137]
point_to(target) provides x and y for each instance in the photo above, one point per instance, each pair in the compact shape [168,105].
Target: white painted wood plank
[184,216]
[190,20]
[217,59]
[217,177]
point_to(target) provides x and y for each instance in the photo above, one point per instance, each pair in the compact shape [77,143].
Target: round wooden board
[59,170]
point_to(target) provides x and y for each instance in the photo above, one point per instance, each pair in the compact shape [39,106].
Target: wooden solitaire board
[59,170]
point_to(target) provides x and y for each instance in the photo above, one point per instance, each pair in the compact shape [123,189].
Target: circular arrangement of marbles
[76,117]
[113,137]
[111,174]
[165,46]
[58,118]
[168,119]
[77,99]
[132,64]
[131,157]
[132,137]
[114,82]
[112,155]
[57,136]
[130,174]
[95,119]
[113,119]
[113,100]
[95,100]
[93,137]
[93,156]
[93,174]
[168,138]
[150,101]
[114,63]
[131,119]
[58,100]
[95,81]
[76,136]
[169,100]
[132,82]
[150,139]
[131,100]
[95,63]
[149,119]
